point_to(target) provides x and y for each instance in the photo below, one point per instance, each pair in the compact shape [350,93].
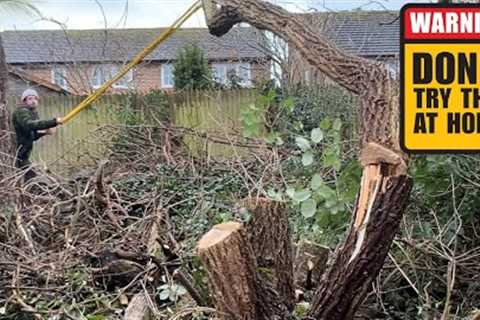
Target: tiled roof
[369,34]
[47,46]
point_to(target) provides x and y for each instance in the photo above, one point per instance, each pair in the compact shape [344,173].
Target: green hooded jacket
[26,123]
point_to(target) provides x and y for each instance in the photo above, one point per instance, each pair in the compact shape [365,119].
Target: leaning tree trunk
[385,186]
[6,146]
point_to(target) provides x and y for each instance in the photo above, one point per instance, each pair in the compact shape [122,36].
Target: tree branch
[350,72]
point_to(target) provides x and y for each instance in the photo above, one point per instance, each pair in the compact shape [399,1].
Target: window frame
[163,69]
[226,67]
[218,66]
[63,71]
[111,69]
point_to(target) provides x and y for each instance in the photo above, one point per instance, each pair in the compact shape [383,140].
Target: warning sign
[440,78]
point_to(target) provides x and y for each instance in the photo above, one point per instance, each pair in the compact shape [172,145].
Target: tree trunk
[385,187]
[358,261]
[231,267]
[241,290]
[269,234]
[6,145]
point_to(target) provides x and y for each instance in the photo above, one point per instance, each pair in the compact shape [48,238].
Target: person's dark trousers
[25,164]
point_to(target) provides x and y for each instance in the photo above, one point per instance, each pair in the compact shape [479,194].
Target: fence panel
[212,112]
[73,143]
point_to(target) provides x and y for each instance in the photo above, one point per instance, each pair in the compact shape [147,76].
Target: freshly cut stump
[230,264]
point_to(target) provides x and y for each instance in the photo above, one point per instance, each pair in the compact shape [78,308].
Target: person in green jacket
[29,128]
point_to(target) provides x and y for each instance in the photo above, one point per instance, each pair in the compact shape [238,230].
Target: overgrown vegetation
[303,152]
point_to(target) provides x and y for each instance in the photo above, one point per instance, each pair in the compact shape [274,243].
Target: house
[81,60]
[373,35]
[18,80]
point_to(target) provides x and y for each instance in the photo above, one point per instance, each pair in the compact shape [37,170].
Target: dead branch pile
[92,243]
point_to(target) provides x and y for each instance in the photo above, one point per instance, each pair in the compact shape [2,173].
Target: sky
[91,14]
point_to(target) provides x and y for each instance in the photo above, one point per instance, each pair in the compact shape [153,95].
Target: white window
[98,77]
[59,75]
[244,72]
[167,76]
[103,73]
[125,81]
[224,72]
[219,73]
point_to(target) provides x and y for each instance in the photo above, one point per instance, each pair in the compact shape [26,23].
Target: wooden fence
[211,113]
[75,143]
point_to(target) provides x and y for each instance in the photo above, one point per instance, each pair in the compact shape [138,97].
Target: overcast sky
[89,14]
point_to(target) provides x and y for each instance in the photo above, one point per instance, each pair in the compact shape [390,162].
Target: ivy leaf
[325,124]
[181,290]
[279,141]
[330,202]
[316,135]
[330,159]
[302,143]
[277,196]
[308,208]
[164,294]
[316,182]
[326,192]
[290,192]
[288,104]
[301,195]
[338,208]
[307,158]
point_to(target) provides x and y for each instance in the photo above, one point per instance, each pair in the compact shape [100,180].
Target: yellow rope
[95,95]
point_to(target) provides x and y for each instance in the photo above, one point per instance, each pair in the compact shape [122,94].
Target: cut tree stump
[231,268]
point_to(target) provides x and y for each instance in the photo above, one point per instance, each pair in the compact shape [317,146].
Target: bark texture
[359,260]
[269,234]
[6,140]
[231,268]
[241,290]
[309,264]
[385,188]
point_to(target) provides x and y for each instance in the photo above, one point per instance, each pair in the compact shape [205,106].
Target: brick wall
[146,76]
